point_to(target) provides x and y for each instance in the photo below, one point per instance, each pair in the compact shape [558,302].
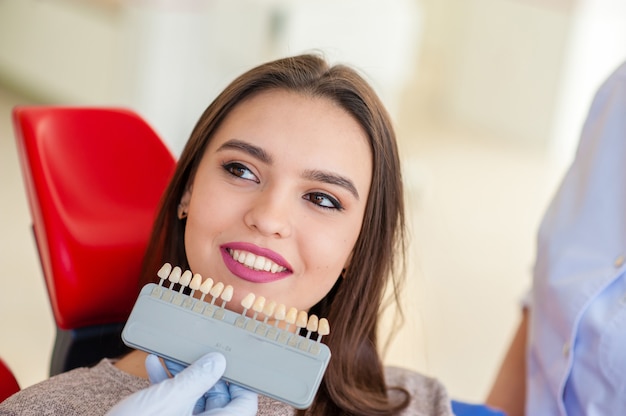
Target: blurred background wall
[488,97]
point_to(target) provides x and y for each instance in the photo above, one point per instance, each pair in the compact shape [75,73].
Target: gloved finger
[156,372]
[243,400]
[218,396]
[209,368]
[173,368]
[244,403]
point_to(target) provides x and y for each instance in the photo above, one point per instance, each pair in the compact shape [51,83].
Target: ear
[183,206]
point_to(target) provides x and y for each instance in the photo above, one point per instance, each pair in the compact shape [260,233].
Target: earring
[182,211]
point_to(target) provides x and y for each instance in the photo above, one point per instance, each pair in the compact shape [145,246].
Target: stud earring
[182,211]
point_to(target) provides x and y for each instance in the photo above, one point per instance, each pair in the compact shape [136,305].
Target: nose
[269,214]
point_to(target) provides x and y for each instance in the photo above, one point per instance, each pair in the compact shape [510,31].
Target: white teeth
[259,263]
[255,262]
[249,261]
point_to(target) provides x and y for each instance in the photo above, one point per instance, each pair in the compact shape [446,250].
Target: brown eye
[240,170]
[323,200]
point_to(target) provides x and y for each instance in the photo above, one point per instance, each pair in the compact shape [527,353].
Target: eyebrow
[333,179]
[252,150]
[310,174]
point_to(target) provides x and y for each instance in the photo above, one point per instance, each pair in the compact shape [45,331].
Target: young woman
[289,187]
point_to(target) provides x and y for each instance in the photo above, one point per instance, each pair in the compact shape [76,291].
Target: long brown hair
[354,382]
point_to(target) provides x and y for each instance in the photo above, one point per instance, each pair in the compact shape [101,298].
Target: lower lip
[245,273]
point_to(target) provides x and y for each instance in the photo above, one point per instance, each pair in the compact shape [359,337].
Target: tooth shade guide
[153,319]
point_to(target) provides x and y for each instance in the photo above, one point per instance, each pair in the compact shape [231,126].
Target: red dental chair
[94,178]
[8,383]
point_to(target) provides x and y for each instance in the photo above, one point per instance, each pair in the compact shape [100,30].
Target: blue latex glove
[469,409]
[217,396]
[178,395]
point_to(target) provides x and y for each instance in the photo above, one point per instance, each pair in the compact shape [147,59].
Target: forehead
[294,110]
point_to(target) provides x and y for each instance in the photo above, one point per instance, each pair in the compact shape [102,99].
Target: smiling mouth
[254,262]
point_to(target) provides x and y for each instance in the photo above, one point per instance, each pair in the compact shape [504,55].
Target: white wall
[61,51]
[168,59]
[495,65]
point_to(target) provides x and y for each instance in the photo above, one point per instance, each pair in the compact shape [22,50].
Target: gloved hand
[218,396]
[177,396]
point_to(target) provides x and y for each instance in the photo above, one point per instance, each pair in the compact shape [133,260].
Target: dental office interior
[487,96]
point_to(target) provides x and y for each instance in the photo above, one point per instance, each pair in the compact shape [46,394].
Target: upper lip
[259,251]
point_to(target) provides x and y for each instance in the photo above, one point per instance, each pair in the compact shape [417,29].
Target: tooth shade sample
[292,314]
[164,271]
[312,324]
[217,289]
[281,311]
[247,301]
[196,282]
[302,319]
[175,275]
[206,286]
[185,279]
[259,303]
[227,294]
[323,327]
[268,309]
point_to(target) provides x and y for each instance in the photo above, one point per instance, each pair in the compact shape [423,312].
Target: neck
[133,363]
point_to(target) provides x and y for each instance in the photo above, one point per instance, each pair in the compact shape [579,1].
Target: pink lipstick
[254,264]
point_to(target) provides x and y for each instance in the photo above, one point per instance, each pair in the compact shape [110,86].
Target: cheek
[206,221]
[327,257]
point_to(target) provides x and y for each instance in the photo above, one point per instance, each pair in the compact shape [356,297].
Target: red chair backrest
[94,178]
[8,383]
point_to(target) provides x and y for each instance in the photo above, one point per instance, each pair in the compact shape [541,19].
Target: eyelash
[311,196]
[233,167]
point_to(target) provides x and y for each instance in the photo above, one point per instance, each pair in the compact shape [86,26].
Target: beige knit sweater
[93,391]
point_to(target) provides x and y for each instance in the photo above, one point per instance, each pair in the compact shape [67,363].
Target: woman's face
[278,199]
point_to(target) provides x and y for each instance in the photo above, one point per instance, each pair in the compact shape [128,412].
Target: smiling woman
[289,187]
[257,194]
